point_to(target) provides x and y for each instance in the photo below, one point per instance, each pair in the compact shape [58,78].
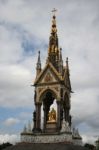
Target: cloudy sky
[25,29]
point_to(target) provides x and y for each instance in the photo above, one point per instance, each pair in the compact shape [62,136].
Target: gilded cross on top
[54,11]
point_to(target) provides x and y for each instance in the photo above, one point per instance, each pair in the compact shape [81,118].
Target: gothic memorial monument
[52,86]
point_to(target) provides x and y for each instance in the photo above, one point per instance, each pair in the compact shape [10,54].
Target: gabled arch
[45,91]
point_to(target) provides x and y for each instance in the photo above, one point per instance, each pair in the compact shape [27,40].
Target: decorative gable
[48,75]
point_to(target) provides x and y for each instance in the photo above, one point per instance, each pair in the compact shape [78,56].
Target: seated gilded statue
[52,115]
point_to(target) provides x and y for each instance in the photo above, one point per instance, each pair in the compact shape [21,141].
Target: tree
[4,145]
[89,146]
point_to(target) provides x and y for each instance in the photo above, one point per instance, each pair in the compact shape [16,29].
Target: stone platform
[66,135]
[58,146]
[51,127]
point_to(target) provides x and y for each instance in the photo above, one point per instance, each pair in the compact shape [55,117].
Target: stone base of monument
[50,135]
[47,138]
[51,127]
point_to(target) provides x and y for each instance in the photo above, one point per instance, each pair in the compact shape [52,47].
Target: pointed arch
[47,98]
[46,91]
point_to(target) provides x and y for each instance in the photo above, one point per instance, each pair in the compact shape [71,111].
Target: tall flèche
[52,83]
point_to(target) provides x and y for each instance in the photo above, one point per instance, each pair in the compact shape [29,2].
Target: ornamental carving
[56,88]
[48,78]
[40,90]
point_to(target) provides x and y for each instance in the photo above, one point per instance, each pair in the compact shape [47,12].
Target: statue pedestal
[51,127]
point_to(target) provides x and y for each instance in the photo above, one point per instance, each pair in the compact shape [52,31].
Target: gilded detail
[52,115]
[48,78]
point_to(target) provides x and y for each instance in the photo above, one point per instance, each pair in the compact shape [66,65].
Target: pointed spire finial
[39,60]
[53,49]
[38,66]
[53,28]
[67,66]
[60,54]
[25,129]
[60,62]
[66,60]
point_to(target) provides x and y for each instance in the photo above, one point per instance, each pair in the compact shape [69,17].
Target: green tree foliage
[90,146]
[4,145]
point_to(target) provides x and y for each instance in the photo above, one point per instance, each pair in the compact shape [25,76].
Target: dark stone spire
[60,62]
[67,66]
[38,65]
[68,75]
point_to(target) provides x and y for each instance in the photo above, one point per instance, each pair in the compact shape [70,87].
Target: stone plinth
[51,127]
[46,138]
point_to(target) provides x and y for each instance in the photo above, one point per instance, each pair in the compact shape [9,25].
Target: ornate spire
[39,60]
[53,49]
[54,28]
[68,83]
[60,55]
[38,66]
[60,62]
[67,66]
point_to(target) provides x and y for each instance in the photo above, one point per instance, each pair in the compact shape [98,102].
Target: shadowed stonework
[27,146]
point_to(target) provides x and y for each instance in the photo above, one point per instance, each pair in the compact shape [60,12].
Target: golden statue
[52,115]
